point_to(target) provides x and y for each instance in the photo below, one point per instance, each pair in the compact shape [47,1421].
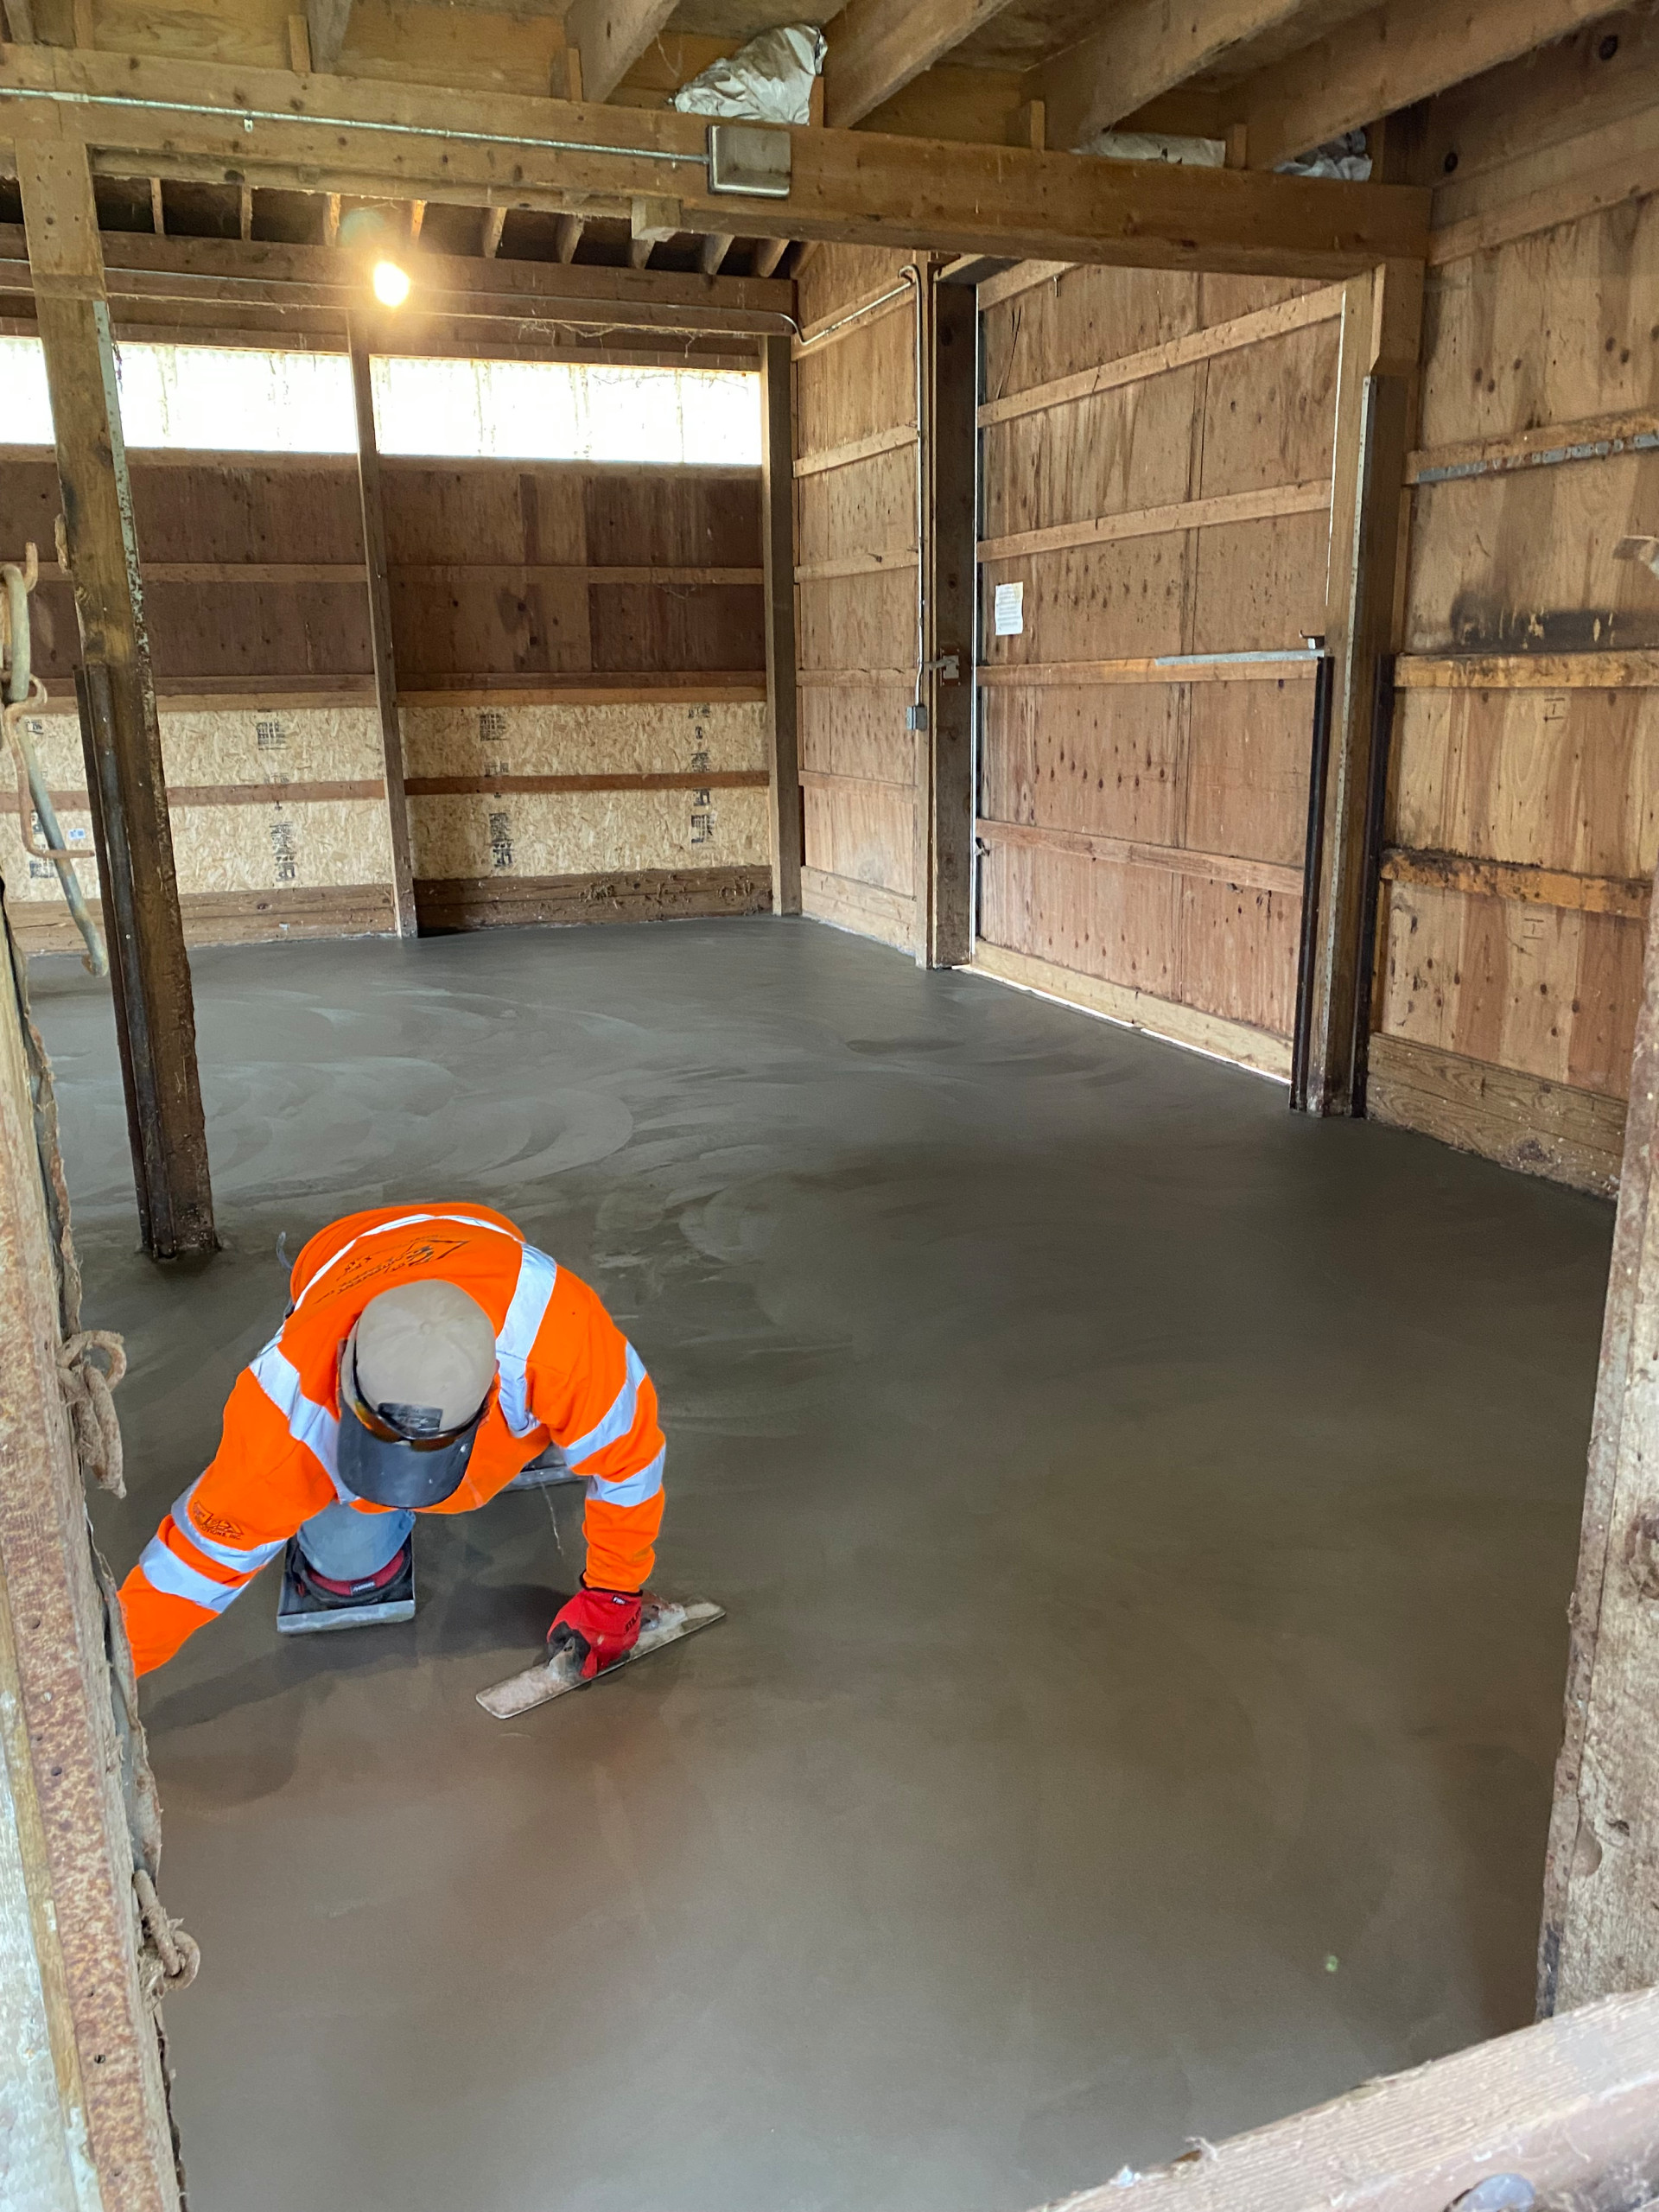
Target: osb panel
[1237,953]
[1099,916]
[1513,563]
[575,833]
[858,622]
[1548,329]
[1560,779]
[630,740]
[1105,758]
[1094,602]
[279,745]
[864,831]
[290,845]
[862,380]
[284,846]
[1260,585]
[865,506]
[1549,993]
[1248,751]
[838,277]
[1268,413]
[850,730]
[1110,454]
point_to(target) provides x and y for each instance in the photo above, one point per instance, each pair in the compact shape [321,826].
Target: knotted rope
[176,1956]
[87,1398]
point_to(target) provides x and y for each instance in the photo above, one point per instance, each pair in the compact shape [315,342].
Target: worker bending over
[427,1357]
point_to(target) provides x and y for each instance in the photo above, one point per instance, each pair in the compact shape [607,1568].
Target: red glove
[601,1625]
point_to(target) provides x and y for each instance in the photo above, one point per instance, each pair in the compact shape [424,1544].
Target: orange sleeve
[589,1389]
[259,1486]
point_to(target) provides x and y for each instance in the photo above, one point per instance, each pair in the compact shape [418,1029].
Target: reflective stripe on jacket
[564,1374]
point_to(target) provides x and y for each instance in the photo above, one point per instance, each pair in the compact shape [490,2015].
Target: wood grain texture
[611,895]
[1136,1009]
[1537,1127]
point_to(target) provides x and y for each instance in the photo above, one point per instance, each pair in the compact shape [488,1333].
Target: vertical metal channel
[1312,863]
[1377,800]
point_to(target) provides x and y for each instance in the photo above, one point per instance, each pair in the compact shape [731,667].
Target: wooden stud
[767,255]
[331,219]
[489,244]
[713,252]
[386,670]
[949,460]
[571,88]
[299,46]
[778,536]
[640,253]
[1238,145]
[157,209]
[416,220]
[84,31]
[245,212]
[151,974]
[878,48]
[567,237]
[1028,126]
[1381,323]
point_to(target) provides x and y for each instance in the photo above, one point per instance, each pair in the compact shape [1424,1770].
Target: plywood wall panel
[1094,758]
[1095,602]
[1086,317]
[1551,328]
[839,276]
[1528,987]
[1114,453]
[677,625]
[1524,561]
[867,506]
[1557,779]
[863,832]
[1269,411]
[853,729]
[858,622]
[1237,953]
[1248,750]
[1259,587]
[862,381]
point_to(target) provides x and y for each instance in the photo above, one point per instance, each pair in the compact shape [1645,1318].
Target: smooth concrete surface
[1146,1521]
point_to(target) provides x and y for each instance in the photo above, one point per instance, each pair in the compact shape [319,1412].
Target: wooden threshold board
[1261,1049]
[1522,1122]
[613,895]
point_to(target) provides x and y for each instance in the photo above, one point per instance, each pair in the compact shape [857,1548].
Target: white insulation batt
[769,80]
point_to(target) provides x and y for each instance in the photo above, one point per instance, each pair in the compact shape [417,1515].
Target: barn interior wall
[581,659]
[1522,826]
[1156,482]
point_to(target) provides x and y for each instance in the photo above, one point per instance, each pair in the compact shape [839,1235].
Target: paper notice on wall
[1009,612]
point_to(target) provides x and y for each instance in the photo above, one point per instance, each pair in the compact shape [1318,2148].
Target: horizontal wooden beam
[650,895]
[1275,322]
[1520,881]
[867,908]
[893,561]
[1585,671]
[172,117]
[853,678]
[1143,49]
[610,36]
[451,574]
[540,688]
[1166,668]
[1172,860]
[1551,445]
[1375,64]
[1239,1041]
[699,779]
[1153,522]
[878,442]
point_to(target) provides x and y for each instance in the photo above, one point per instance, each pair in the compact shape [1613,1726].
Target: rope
[176,1956]
[87,1398]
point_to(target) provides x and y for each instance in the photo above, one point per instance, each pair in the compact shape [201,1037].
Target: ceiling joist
[610,36]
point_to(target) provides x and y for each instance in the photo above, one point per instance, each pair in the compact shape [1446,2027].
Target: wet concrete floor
[1146,1521]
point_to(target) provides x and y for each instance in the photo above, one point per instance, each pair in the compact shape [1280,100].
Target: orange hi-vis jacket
[565,1374]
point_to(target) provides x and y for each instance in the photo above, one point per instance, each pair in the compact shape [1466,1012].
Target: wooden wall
[1155,472]
[582,683]
[1523,821]
[855,593]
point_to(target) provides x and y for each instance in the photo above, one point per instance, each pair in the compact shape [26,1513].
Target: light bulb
[391,285]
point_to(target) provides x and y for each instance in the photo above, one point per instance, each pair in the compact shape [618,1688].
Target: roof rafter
[610,36]
[876,47]
[1404,51]
[1150,48]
